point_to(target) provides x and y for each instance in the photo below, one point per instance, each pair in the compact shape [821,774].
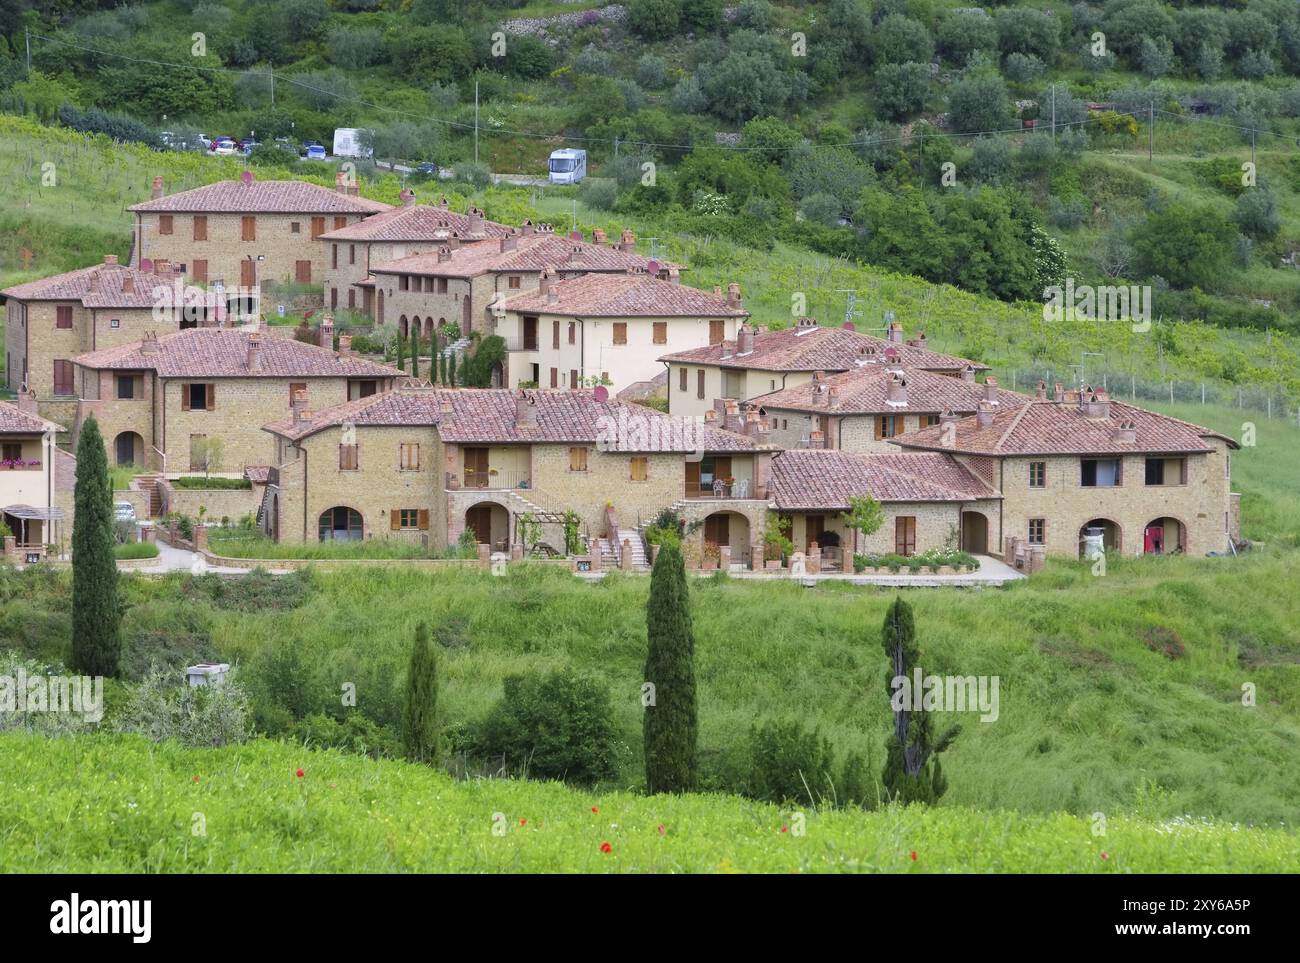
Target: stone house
[352,251]
[467,284]
[609,328]
[243,233]
[156,397]
[861,409]
[50,321]
[428,463]
[1080,466]
[760,362]
[36,480]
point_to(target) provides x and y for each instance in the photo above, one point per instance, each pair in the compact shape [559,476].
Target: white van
[568,165]
[350,142]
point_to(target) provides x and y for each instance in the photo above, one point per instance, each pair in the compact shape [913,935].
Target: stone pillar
[724,558]
[625,555]
[847,561]
[172,532]
[756,556]
[815,560]
[200,537]
[596,558]
[11,546]
[148,535]
[517,552]
[484,555]
[654,553]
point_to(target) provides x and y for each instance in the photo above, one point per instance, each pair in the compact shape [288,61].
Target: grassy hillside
[120,804]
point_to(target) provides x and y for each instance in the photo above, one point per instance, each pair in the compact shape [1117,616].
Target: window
[125,387]
[573,332]
[352,299]
[577,459]
[1155,474]
[295,387]
[334,256]
[200,227]
[403,282]
[442,286]
[317,227]
[63,316]
[248,227]
[247,273]
[340,222]
[410,455]
[295,227]
[352,254]
[640,468]
[302,272]
[555,335]
[555,377]
[905,535]
[1166,471]
[1038,531]
[114,322]
[1227,467]
[164,223]
[197,396]
[1100,473]
[513,282]
[928,421]
[334,298]
[573,377]
[620,332]
[530,334]
[11,451]
[1038,474]
[887,426]
[199,271]
[410,518]
[63,378]
[660,335]
[717,331]
[366,388]
[349,457]
[699,383]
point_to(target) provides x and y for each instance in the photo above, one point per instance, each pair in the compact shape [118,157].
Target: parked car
[225,146]
[124,511]
[315,152]
[248,145]
[428,167]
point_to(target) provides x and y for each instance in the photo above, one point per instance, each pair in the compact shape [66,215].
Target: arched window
[340,524]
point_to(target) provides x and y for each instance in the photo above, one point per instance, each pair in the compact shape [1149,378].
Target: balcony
[19,464]
[495,479]
[722,488]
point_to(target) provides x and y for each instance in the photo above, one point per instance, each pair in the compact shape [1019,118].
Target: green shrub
[353,733]
[554,726]
[194,481]
[135,550]
[789,763]
[164,706]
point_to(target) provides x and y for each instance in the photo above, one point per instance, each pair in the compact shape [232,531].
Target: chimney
[110,258]
[254,351]
[918,341]
[991,390]
[968,373]
[158,190]
[453,241]
[161,266]
[710,416]
[246,177]
[341,182]
[128,283]
[1096,404]
[1040,393]
[345,344]
[475,221]
[509,243]
[984,417]
[298,403]
[628,241]
[327,332]
[525,410]
[95,284]
[895,332]
[947,417]
[527,227]
[745,339]
[897,390]
[1125,433]
[818,376]
[575,235]
[816,439]
[408,197]
[674,276]
[1058,392]
[443,203]
[598,236]
[544,281]
[552,295]
[832,396]
[444,254]
[27,401]
[149,344]
[733,295]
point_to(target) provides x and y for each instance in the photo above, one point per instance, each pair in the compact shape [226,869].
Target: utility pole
[616,146]
[270,69]
[475,121]
[1252,148]
[1053,114]
[27,38]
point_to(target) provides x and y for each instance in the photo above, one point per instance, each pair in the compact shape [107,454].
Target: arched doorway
[341,524]
[128,449]
[401,326]
[730,529]
[490,524]
[1112,536]
[974,533]
[1164,536]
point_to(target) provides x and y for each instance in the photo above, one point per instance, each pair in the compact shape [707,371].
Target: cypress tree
[671,722]
[401,354]
[451,371]
[420,736]
[415,352]
[96,643]
[912,771]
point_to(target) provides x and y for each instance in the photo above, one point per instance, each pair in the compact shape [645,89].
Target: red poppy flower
[661,829]
[595,809]
[301,774]
[606,848]
[523,822]
[785,829]
[914,855]
[196,778]
[1105,855]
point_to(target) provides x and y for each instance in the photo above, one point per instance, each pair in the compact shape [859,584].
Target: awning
[28,513]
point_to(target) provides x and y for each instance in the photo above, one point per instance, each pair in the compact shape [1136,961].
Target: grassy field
[237,543]
[121,804]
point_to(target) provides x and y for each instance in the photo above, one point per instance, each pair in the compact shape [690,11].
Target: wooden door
[476,468]
[247,273]
[717,530]
[479,521]
[905,535]
[692,479]
[814,528]
[722,470]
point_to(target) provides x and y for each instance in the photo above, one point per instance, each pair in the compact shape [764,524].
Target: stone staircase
[149,484]
[610,551]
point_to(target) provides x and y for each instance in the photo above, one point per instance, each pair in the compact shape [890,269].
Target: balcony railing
[738,488]
[20,465]
[495,478]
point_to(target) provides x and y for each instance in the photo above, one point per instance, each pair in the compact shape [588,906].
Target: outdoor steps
[149,483]
[609,551]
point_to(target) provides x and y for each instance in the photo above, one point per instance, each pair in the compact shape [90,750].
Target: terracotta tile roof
[486,416]
[98,286]
[262,197]
[817,348]
[626,296]
[257,474]
[532,252]
[865,391]
[14,421]
[821,480]
[1064,428]
[418,222]
[223,353]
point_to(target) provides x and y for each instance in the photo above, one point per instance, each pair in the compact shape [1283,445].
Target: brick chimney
[895,332]
[1125,433]
[545,280]
[110,259]
[298,403]
[832,396]
[475,221]
[897,389]
[733,295]
[128,283]
[345,344]
[254,351]
[158,189]
[443,203]
[1095,403]
[27,401]
[1058,392]
[149,343]
[598,236]
[341,182]
[711,415]
[525,410]
[1040,392]
[246,177]
[918,341]
[408,197]
[444,254]
[453,241]
[628,241]
[575,235]
[991,389]
[947,417]
[745,339]
[816,439]
[527,227]
[161,266]
[327,332]
[510,242]
[968,373]
[984,417]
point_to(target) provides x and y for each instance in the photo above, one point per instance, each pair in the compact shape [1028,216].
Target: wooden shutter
[682,374]
[573,327]
[334,256]
[573,377]
[692,478]
[699,384]
[199,271]
[247,273]
[555,377]
[394,518]
[248,227]
[185,396]
[424,519]
[555,334]
[620,332]
[212,396]
[340,222]
[63,316]
[302,272]
[640,469]
[717,331]
[200,227]
[317,227]
[661,332]
[164,223]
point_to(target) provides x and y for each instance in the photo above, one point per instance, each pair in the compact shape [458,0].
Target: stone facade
[695,393]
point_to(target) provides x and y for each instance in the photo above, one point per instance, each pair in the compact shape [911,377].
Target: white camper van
[350,142]
[568,166]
